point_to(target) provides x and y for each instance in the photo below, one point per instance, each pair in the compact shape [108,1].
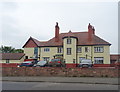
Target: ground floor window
[7,61]
[79,49]
[46,58]
[81,58]
[60,50]
[98,60]
[26,57]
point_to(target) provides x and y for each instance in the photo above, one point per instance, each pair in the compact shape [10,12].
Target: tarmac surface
[84,80]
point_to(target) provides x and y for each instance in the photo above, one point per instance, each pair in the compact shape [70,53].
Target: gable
[29,44]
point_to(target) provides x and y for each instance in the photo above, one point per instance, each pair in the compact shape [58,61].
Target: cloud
[20,20]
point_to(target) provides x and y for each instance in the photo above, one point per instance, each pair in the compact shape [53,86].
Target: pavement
[84,80]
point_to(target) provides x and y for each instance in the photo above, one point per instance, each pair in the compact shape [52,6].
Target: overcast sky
[20,20]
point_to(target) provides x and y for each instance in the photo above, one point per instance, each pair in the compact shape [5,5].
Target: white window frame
[69,40]
[69,51]
[98,49]
[79,49]
[46,49]
[59,50]
[98,60]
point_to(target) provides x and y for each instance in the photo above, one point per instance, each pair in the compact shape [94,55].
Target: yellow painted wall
[69,58]
[13,61]
[105,54]
[50,54]
[29,52]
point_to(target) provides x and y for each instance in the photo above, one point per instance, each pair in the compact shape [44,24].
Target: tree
[9,49]
[18,51]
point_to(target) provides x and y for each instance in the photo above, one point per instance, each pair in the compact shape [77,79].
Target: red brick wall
[8,64]
[58,71]
[30,44]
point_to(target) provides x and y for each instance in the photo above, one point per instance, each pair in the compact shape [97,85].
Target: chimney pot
[56,32]
[91,29]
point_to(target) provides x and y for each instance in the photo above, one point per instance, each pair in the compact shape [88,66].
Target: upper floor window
[98,49]
[68,41]
[60,50]
[68,51]
[86,49]
[98,60]
[46,49]
[79,49]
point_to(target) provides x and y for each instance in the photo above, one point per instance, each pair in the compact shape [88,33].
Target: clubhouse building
[71,46]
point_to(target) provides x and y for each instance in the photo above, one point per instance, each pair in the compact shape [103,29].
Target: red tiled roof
[11,56]
[83,39]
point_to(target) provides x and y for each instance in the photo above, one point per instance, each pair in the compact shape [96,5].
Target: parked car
[27,64]
[56,63]
[41,64]
[86,63]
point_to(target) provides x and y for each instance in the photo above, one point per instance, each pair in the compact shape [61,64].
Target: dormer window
[68,41]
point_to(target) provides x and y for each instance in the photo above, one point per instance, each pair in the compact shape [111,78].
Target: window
[81,58]
[68,41]
[79,49]
[46,58]
[68,51]
[36,52]
[60,50]
[7,61]
[98,60]
[98,49]
[46,49]
[86,49]
[26,57]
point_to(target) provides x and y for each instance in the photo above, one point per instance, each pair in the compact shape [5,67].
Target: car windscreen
[53,60]
[41,62]
[28,62]
[86,61]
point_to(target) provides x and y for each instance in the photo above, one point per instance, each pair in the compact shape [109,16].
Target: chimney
[91,29]
[56,32]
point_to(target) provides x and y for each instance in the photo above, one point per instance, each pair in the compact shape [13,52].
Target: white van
[86,63]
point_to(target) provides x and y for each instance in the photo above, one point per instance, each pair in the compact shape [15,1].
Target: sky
[21,19]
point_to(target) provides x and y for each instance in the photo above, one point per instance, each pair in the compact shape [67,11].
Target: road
[55,86]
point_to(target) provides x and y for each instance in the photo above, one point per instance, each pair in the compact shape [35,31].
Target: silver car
[41,64]
[86,63]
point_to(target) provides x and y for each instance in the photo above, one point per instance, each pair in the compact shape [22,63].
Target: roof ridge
[75,32]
